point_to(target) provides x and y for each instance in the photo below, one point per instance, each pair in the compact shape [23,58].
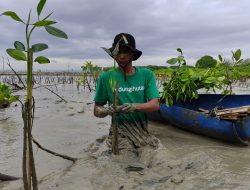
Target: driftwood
[229,113]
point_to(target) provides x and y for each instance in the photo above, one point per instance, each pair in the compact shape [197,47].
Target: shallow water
[188,161]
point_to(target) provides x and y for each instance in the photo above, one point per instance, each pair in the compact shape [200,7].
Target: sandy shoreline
[187,161]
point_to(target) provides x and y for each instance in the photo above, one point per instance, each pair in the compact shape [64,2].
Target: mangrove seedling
[25,52]
[114,87]
[230,71]
[6,97]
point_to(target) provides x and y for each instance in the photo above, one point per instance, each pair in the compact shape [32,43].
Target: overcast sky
[198,27]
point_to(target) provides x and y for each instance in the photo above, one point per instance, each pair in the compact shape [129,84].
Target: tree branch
[54,153]
[52,92]
[20,80]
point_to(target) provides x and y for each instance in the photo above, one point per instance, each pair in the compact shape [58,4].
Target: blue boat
[186,115]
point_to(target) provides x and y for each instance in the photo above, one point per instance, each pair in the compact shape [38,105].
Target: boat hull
[186,116]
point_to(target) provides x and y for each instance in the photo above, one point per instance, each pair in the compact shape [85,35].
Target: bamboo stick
[230,113]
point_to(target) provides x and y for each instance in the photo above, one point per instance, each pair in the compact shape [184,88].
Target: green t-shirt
[138,88]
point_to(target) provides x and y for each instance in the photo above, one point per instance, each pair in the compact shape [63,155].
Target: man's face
[124,56]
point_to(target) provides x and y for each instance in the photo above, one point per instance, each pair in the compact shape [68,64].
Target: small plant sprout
[230,71]
[180,59]
[26,52]
[6,97]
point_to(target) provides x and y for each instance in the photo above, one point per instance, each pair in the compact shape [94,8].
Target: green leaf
[184,79]
[221,79]
[210,80]
[179,50]
[240,61]
[107,51]
[172,61]
[40,6]
[190,72]
[220,58]
[16,54]
[56,32]
[180,59]
[42,60]
[183,88]
[13,99]
[48,16]
[237,54]
[19,46]
[44,23]
[13,15]
[39,47]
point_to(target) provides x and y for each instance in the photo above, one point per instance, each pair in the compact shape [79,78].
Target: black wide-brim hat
[125,40]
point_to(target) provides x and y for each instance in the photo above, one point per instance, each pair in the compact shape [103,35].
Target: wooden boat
[225,117]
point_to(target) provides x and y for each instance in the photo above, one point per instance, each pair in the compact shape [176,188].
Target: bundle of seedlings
[185,82]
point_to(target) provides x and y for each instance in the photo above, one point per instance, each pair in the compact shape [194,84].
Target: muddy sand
[184,161]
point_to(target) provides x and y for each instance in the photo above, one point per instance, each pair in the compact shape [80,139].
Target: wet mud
[183,160]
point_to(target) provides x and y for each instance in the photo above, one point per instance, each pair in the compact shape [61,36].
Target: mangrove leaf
[19,46]
[39,47]
[107,51]
[220,58]
[48,16]
[40,6]
[237,55]
[56,32]
[44,23]
[42,60]
[179,50]
[172,61]
[16,54]
[13,15]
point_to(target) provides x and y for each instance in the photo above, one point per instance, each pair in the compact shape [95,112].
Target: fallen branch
[20,80]
[16,86]
[54,153]
[52,92]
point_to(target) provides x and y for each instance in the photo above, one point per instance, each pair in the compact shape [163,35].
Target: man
[137,95]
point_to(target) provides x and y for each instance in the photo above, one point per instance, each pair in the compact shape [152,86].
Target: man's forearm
[150,106]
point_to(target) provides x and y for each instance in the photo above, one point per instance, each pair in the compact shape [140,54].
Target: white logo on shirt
[131,89]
